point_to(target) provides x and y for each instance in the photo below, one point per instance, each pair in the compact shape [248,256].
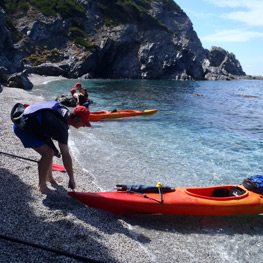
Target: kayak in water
[104,115]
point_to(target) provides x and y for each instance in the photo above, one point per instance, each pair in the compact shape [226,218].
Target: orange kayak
[204,201]
[104,115]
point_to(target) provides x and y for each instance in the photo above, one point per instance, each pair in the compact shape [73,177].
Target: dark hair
[74,116]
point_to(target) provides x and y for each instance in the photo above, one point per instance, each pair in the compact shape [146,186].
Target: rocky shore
[57,221]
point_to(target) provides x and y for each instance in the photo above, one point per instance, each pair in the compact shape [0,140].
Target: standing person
[79,98]
[38,124]
[82,91]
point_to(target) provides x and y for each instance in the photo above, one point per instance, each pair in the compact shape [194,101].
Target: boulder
[19,80]
[50,69]
[67,100]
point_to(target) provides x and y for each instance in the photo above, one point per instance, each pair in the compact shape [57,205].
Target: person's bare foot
[53,181]
[45,190]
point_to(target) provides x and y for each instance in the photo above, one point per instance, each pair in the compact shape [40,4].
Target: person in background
[83,92]
[40,124]
[79,98]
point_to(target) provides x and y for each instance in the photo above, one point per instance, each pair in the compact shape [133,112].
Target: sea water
[205,133]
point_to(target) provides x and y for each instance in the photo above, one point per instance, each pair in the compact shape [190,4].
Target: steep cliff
[137,39]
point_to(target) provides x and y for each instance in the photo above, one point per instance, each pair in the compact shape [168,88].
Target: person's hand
[71,183]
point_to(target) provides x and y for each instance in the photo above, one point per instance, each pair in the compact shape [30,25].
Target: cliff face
[140,39]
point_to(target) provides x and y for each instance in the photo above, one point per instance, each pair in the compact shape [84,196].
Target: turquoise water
[211,139]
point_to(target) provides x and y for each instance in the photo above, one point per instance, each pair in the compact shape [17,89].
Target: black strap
[64,253]
[16,156]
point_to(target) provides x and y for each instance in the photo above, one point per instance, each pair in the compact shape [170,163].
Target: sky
[234,25]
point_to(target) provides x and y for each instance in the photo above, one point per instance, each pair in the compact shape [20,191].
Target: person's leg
[44,167]
[50,177]
[45,163]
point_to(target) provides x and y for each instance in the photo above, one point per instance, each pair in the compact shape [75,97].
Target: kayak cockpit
[226,192]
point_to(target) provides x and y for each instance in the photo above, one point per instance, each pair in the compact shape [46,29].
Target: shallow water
[214,138]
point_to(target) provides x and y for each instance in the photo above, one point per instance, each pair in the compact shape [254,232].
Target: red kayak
[203,201]
[105,115]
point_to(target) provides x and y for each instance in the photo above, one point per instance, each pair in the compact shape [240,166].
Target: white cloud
[200,15]
[251,4]
[252,18]
[232,36]
[226,3]
[251,13]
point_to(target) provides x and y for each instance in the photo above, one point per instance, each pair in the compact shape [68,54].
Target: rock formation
[140,39]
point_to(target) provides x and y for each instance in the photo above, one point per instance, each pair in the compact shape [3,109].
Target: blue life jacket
[27,119]
[48,105]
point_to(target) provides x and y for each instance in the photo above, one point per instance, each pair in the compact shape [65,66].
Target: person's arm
[76,96]
[67,161]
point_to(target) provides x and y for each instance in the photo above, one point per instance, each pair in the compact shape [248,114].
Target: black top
[54,127]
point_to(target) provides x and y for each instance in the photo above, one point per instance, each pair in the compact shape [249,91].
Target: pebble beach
[55,221]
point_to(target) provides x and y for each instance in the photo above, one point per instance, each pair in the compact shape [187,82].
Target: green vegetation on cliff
[113,12]
[129,11]
[66,8]
[42,55]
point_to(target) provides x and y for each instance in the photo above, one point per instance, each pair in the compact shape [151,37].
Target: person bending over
[38,124]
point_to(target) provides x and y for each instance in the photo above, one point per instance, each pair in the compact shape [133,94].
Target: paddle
[55,167]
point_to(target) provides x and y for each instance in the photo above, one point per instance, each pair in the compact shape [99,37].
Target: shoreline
[64,224]
[57,221]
